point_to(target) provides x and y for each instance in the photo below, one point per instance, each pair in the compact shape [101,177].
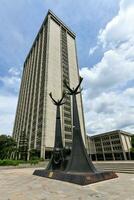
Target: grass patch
[17,162]
[33,162]
[9,163]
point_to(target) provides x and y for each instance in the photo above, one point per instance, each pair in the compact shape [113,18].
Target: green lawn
[16,162]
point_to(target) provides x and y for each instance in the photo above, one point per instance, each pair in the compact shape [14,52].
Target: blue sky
[20,22]
[101,40]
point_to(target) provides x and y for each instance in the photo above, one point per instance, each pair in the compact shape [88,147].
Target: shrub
[17,162]
[42,159]
[33,162]
[9,163]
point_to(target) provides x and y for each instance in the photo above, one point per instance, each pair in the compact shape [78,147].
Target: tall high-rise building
[52,58]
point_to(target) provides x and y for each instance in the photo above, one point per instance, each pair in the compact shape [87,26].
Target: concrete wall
[74,79]
[126,142]
[54,81]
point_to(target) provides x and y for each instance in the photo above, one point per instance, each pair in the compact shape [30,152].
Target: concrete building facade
[52,59]
[114,145]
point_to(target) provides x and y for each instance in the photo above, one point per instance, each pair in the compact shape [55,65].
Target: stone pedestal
[77,178]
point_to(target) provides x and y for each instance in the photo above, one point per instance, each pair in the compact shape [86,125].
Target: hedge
[17,162]
[9,162]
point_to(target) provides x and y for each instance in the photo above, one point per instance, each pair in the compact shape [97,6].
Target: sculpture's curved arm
[79,91]
[80,80]
[59,102]
[55,102]
[63,96]
[65,83]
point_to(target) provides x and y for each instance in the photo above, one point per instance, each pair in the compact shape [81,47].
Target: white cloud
[7,111]
[109,85]
[111,110]
[14,71]
[11,81]
[8,100]
[92,50]
[120,29]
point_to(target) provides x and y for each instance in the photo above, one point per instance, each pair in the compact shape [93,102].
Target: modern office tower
[52,59]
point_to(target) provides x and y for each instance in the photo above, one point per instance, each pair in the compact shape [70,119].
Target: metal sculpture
[78,168]
[57,159]
[79,161]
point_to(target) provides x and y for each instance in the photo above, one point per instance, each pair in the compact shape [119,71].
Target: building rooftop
[111,132]
[50,13]
[60,22]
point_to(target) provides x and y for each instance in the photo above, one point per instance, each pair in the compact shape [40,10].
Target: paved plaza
[20,184]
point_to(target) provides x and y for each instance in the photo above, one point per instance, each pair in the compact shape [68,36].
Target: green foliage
[132,141]
[23,146]
[34,154]
[7,147]
[21,161]
[33,162]
[8,150]
[17,162]
[9,162]
[132,150]
[41,159]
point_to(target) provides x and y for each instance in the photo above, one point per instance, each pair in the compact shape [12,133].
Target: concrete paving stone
[20,184]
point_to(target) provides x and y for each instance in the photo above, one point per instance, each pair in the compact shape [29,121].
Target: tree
[132,143]
[7,147]
[23,146]
[34,154]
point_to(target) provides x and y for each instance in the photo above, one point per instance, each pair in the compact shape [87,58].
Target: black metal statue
[77,168]
[79,161]
[57,159]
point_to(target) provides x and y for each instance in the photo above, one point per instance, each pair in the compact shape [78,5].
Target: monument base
[77,178]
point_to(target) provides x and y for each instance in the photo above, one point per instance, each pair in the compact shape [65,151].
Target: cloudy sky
[105,44]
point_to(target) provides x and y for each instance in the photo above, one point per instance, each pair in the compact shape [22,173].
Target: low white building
[114,145]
